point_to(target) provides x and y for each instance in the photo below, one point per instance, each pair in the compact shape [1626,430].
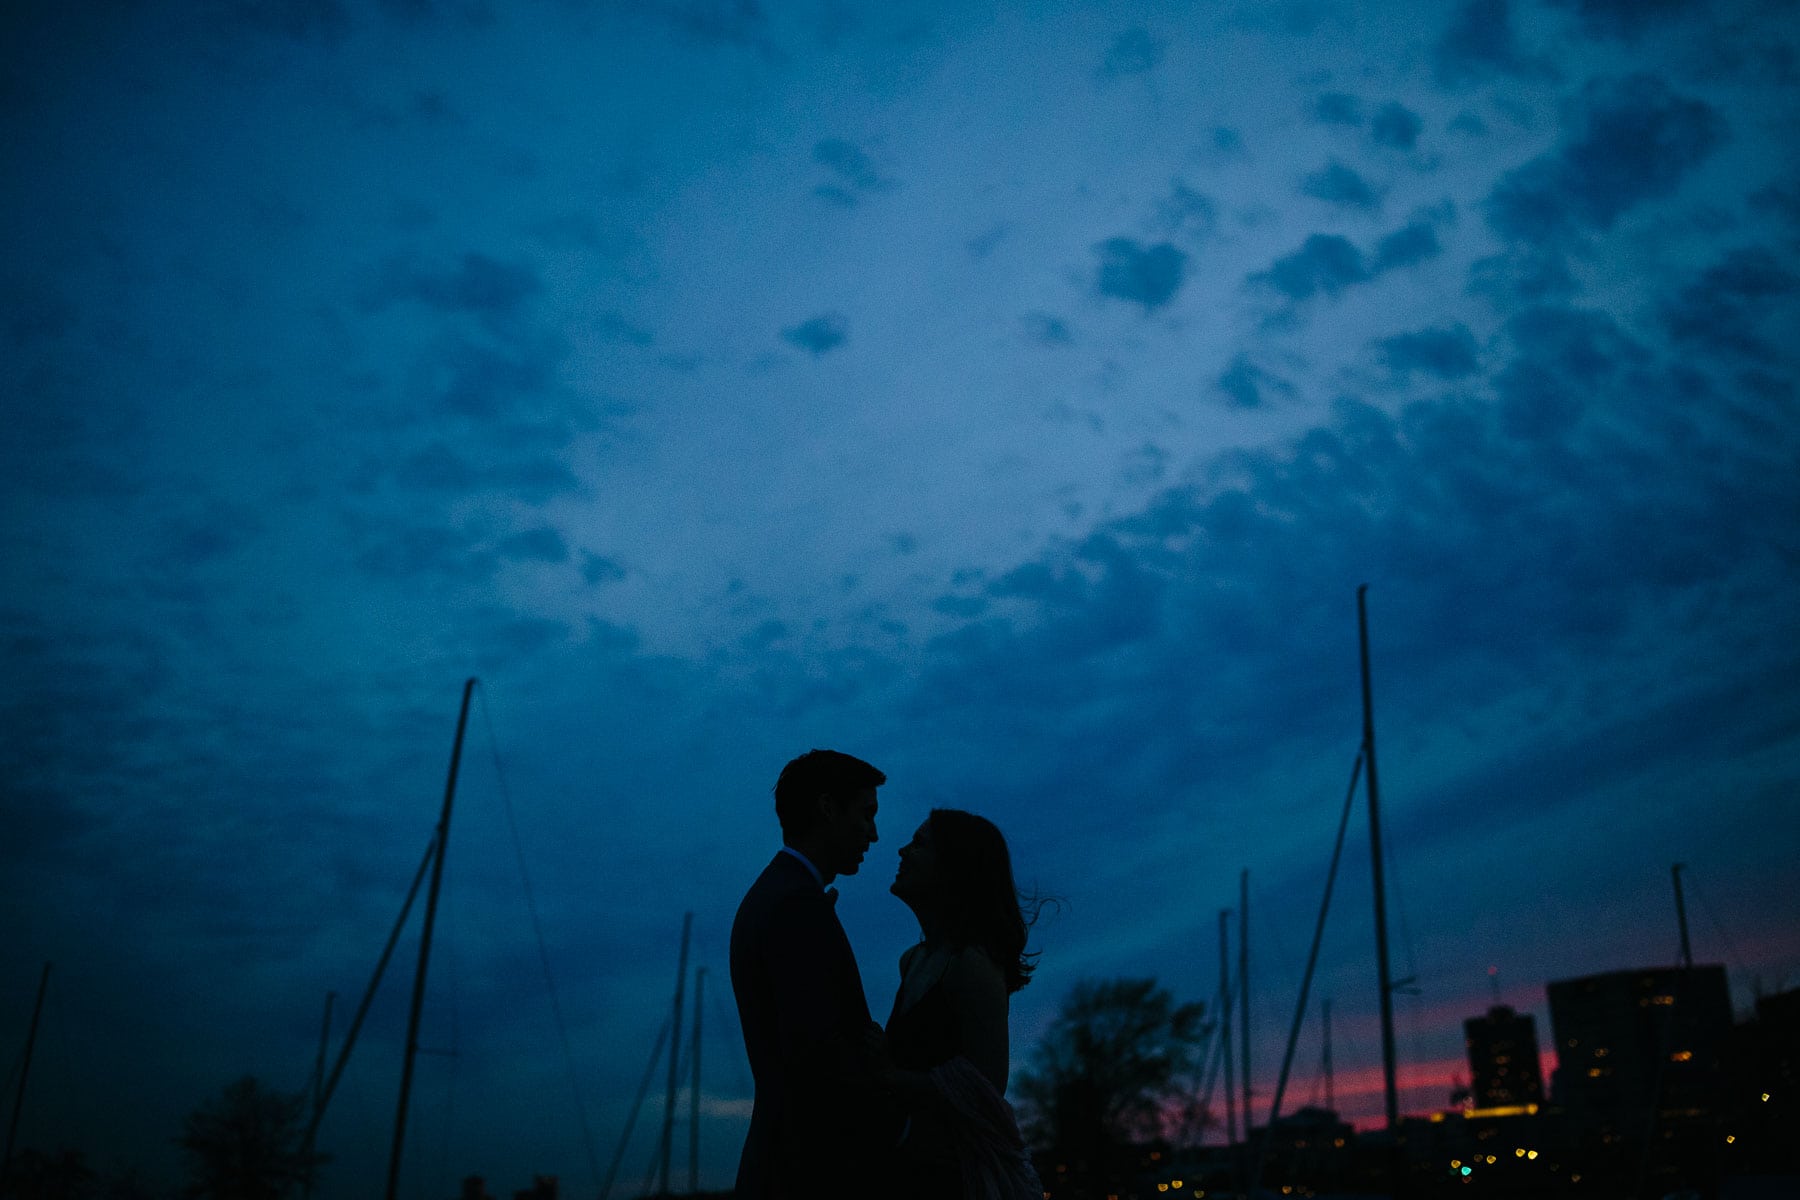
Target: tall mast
[668,1129]
[1244,985]
[12,1126]
[1330,1090]
[431,900]
[1389,1091]
[694,1088]
[1687,951]
[318,1090]
[1225,1026]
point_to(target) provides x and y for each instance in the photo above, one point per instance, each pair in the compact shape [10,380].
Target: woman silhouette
[945,1051]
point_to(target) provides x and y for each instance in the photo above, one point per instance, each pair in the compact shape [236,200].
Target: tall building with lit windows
[1503,1058]
[1639,1049]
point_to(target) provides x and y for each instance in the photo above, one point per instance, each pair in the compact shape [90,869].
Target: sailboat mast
[431,901]
[694,1088]
[1687,950]
[1330,1085]
[1389,1091]
[1225,1025]
[668,1129]
[1244,985]
[12,1126]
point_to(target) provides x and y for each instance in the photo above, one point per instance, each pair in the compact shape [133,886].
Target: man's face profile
[849,828]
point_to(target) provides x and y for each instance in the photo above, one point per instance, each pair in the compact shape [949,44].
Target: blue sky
[1012,395]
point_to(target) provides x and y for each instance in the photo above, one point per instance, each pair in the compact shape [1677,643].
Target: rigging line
[1731,951]
[1312,961]
[537,928]
[362,1010]
[1216,1055]
[631,1121]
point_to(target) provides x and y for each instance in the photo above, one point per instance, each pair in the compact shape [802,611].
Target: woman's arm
[979,992]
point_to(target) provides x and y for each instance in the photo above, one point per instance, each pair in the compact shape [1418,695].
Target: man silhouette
[818,1124]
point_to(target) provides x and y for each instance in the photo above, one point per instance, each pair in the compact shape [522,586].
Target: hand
[876,1055]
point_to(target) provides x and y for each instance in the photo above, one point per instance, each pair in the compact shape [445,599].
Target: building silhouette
[1503,1058]
[1640,1053]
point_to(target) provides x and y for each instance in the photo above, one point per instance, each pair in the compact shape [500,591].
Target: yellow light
[1765,1097]
[1519,1152]
[1531,1154]
[1162,1187]
[1174,1183]
[1681,1056]
[1730,1138]
[1455,1163]
[1490,1158]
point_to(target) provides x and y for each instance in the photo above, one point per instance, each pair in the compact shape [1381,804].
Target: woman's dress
[989,1160]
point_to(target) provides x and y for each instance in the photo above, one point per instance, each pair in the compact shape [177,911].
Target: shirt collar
[818,876]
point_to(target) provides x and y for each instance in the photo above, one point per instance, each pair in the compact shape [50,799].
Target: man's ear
[826,809]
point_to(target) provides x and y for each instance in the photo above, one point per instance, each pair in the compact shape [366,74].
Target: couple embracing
[844,1108]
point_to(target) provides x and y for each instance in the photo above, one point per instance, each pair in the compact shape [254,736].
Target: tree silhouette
[248,1144]
[1103,1080]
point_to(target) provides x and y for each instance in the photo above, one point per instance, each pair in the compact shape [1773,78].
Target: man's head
[825,801]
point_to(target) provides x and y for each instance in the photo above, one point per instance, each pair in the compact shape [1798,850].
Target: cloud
[1566,359]
[483,380]
[1047,330]
[818,335]
[1147,275]
[855,171]
[597,568]
[1723,310]
[1447,352]
[1407,246]
[1624,19]
[1185,210]
[1339,184]
[1632,140]
[542,544]
[718,22]
[326,21]
[1244,383]
[1478,41]
[1396,125]
[1324,263]
[1337,108]
[1133,52]
[409,552]
[479,286]
[436,467]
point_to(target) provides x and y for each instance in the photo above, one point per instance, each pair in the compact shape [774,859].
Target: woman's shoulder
[973,971]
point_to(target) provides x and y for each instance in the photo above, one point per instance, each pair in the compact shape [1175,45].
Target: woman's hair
[980,903]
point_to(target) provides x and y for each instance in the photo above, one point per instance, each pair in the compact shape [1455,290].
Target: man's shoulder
[783,882]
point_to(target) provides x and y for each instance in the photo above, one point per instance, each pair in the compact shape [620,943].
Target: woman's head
[956,874]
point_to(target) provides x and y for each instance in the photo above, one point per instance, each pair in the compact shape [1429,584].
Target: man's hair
[818,773]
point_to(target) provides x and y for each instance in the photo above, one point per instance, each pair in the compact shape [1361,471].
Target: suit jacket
[817,1125]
